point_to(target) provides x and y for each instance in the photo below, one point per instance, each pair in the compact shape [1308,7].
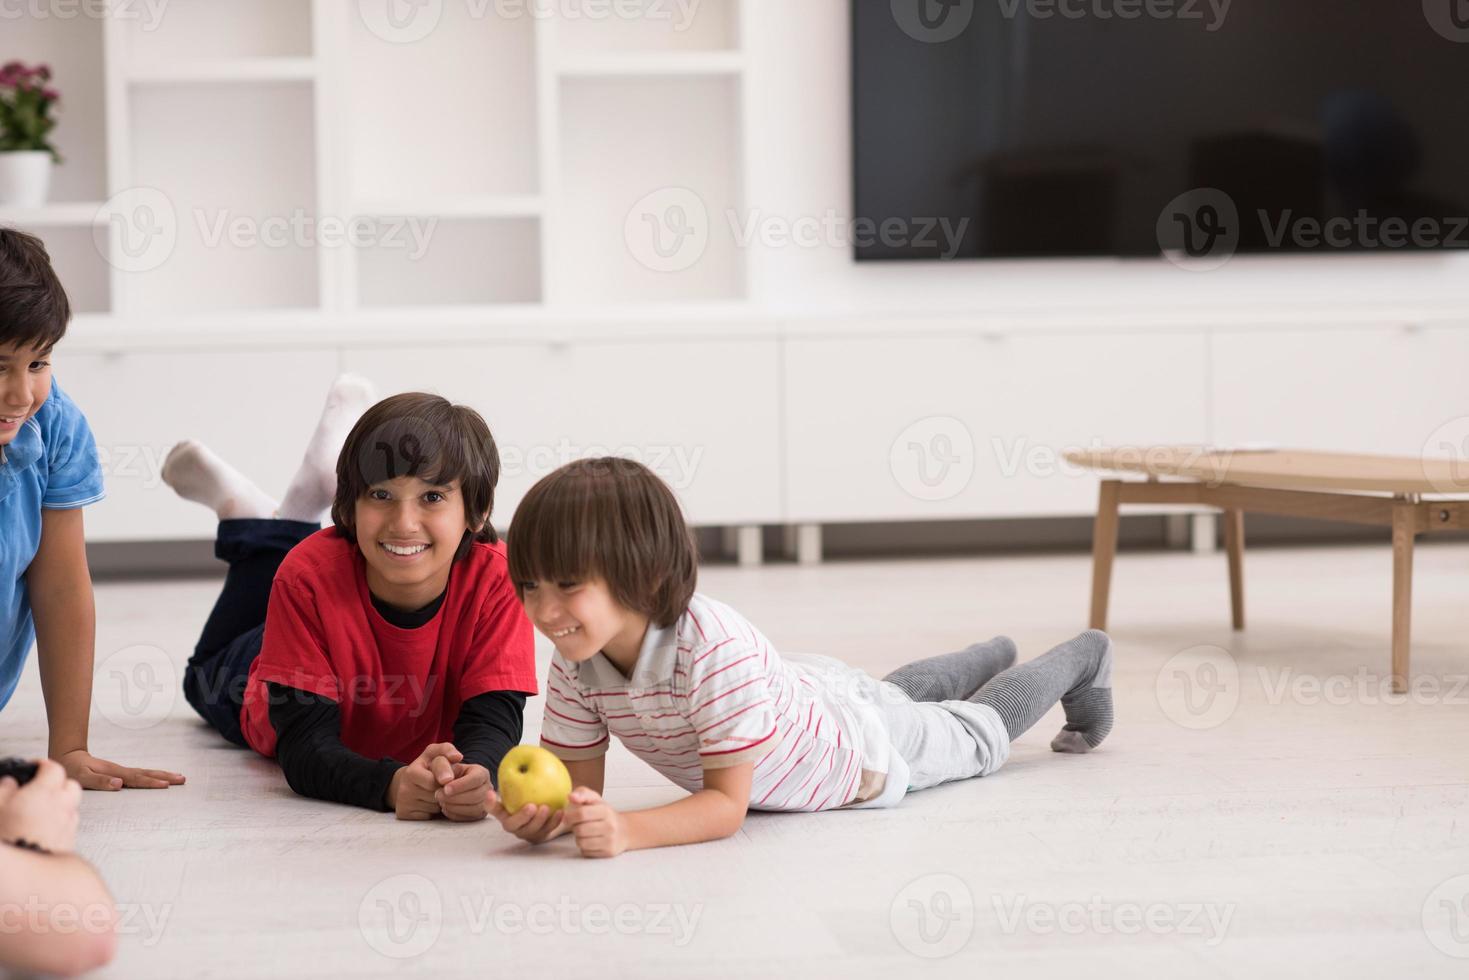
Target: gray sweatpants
[917,743]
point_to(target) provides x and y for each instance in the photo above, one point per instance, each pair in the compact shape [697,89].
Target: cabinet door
[1374,390]
[256,410]
[884,429]
[704,415]
[1058,393]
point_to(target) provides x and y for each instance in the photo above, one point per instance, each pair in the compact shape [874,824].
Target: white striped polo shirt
[710,692]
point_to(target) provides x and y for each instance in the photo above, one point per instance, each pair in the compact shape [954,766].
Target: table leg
[1403,533]
[1104,549]
[1234,544]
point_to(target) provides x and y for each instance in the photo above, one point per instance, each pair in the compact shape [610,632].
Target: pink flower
[15,75]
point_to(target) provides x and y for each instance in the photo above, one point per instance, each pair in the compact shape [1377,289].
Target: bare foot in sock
[315,483]
[1088,706]
[197,474]
[1077,673]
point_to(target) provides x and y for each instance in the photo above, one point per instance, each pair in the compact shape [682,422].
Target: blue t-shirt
[51,463]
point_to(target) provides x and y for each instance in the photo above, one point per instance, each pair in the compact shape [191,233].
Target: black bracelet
[26,845]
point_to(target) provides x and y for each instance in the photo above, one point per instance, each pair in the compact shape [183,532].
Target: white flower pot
[25,178]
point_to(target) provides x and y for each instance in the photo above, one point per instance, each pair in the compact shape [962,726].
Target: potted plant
[26,153]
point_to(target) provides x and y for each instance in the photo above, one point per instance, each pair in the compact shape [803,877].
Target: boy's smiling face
[583,619]
[25,383]
[408,531]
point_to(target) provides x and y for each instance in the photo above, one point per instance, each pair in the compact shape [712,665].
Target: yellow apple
[530,774]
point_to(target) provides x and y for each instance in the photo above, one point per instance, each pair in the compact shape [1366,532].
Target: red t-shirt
[399,689]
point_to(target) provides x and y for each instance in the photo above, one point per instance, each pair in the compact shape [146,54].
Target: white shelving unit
[465,190]
[513,145]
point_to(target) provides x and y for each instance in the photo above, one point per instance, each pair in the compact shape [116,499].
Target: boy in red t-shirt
[384,661]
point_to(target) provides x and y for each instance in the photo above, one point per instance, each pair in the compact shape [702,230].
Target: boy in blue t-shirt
[48,472]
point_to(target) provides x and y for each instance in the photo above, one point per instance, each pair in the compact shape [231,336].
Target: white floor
[1277,816]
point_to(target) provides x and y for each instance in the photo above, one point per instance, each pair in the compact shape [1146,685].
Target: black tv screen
[1027,128]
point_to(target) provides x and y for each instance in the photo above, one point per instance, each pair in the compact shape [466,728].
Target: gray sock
[955,676]
[1078,673]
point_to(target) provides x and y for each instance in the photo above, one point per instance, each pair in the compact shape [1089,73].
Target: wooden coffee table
[1386,491]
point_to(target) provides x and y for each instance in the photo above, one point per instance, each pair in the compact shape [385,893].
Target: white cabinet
[703,414]
[809,429]
[256,410]
[1375,390]
[966,427]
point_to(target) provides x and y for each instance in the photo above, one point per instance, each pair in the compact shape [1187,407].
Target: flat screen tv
[1032,128]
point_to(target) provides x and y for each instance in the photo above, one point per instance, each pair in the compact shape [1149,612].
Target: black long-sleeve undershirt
[308,732]
[317,764]
[488,726]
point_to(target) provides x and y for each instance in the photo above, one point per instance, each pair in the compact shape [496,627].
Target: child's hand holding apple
[534,786]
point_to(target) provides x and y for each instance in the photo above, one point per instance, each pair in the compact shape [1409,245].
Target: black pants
[214,680]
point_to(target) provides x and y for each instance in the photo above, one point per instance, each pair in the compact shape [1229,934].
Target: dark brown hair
[34,310]
[417,434]
[613,519]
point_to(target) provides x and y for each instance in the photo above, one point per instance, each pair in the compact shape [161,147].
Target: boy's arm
[316,763]
[488,726]
[60,588]
[590,773]
[713,813]
[85,942]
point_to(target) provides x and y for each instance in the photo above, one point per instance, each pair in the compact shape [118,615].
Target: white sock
[199,475]
[315,483]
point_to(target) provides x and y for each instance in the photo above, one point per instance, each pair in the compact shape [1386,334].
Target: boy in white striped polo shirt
[606,568]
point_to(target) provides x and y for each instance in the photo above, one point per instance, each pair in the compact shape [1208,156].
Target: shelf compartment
[454,111]
[429,261]
[73,48]
[225,158]
[218,31]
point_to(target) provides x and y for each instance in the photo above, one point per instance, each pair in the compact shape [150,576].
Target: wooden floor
[1260,810]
